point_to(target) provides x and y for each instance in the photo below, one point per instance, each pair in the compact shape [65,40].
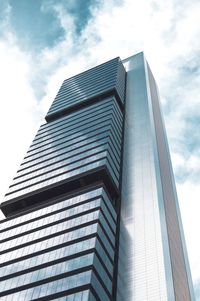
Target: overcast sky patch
[42,42]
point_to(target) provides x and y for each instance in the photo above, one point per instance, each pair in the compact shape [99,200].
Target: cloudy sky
[43,42]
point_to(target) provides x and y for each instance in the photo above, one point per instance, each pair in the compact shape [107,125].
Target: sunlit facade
[92,212]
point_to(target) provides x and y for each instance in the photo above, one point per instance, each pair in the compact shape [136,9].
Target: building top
[88,87]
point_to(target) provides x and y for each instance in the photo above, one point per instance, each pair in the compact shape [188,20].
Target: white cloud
[167,31]
[189,195]
[18,107]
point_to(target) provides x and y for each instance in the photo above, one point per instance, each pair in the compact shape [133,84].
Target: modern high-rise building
[92,213]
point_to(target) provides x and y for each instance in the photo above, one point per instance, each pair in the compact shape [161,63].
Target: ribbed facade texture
[92,212]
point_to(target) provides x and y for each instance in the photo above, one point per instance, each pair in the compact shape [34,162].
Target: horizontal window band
[90,269]
[69,292]
[57,177]
[68,95]
[43,216]
[59,174]
[76,137]
[106,131]
[106,75]
[103,223]
[71,228]
[80,105]
[103,196]
[67,163]
[98,130]
[97,176]
[86,84]
[106,72]
[63,163]
[84,162]
[59,260]
[68,173]
[49,263]
[50,279]
[68,152]
[55,222]
[61,296]
[60,158]
[70,155]
[107,102]
[62,154]
[69,251]
[103,241]
[75,134]
[72,292]
[108,204]
[101,281]
[69,126]
[92,194]
[108,64]
[105,134]
[38,235]
[57,247]
[66,104]
[95,221]
[53,248]
[67,266]
[67,100]
[77,117]
[109,118]
[112,68]
[74,116]
[29,252]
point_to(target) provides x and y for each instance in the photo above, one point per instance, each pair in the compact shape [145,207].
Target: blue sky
[43,42]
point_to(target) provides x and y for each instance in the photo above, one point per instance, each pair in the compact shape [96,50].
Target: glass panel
[50,271]
[58,253]
[50,242]
[51,208]
[51,229]
[24,231]
[51,287]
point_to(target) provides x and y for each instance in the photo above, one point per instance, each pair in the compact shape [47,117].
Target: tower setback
[92,213]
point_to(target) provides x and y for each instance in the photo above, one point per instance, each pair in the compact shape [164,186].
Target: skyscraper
[92,213]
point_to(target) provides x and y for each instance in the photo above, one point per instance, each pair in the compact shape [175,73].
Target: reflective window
[54,146]
[58,269]
[50,271]
[48,220]
[68,146]
[57,228]
[60,252]
[69,162]
[50,242]
[70,127]
[53,207]
[74,116]
[51,287]
[99,289]
[80,296]
[64,176]
[74,132]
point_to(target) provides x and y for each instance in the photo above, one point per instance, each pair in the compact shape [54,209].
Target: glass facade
[69,149]
[68,244]
[92,212]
